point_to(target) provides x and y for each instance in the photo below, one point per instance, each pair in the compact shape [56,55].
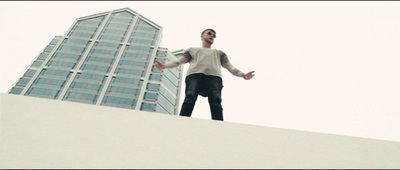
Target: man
[204,75]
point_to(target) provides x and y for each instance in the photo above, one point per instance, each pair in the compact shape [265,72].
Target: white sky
[329,67]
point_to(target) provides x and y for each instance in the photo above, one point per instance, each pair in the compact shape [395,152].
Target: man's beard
[208,41]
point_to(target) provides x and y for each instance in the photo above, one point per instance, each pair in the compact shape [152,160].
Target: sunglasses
[210,33]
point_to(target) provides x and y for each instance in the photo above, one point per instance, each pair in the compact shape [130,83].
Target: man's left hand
[249,75]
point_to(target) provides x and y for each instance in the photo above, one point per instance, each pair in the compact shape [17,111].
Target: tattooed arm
[161,66]
[232,69]
[227,64]
[181,60]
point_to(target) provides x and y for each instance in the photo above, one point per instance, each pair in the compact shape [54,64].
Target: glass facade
[106,59]
[163,86]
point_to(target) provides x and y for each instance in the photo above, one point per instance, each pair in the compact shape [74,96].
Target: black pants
[206,86]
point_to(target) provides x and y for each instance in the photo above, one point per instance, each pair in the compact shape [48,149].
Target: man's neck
[206,45]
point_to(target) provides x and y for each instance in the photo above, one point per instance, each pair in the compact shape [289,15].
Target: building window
[165,104]
[16,90]
[23,81]
[148,107]
[130,71]
[168,74]
[53,72]
[150,96]
[86,86]
[59,64]
[155,77]
[30,73]
[49,81]
[99,59]
[153,87]
[43,55]
[160,109]
[54,41]
[124,90]
[171,97]
[49,48]
[81,97]
[89,76]
[169,85]
[103,69]
[119,100]
[124,80]
[41,92]
[37,63]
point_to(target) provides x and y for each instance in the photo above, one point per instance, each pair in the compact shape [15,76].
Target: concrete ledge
[43,133]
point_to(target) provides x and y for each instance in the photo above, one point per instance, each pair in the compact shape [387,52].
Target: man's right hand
[159,65]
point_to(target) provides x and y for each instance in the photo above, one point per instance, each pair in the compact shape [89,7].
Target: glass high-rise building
[106,59]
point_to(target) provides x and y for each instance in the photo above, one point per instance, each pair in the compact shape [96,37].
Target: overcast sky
[329,67]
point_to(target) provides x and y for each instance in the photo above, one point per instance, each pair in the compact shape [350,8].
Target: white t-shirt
[205,60]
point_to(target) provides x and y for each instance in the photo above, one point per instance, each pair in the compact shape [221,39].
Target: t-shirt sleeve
[187,55]
[223,56]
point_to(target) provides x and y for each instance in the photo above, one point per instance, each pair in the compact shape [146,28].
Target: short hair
[207,30]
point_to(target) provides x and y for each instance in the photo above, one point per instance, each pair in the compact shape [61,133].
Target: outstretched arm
[227,64]
[161,66]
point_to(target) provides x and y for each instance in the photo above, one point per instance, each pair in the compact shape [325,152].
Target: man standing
[204,75]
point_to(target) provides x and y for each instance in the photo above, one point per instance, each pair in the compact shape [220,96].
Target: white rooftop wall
[43,133]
